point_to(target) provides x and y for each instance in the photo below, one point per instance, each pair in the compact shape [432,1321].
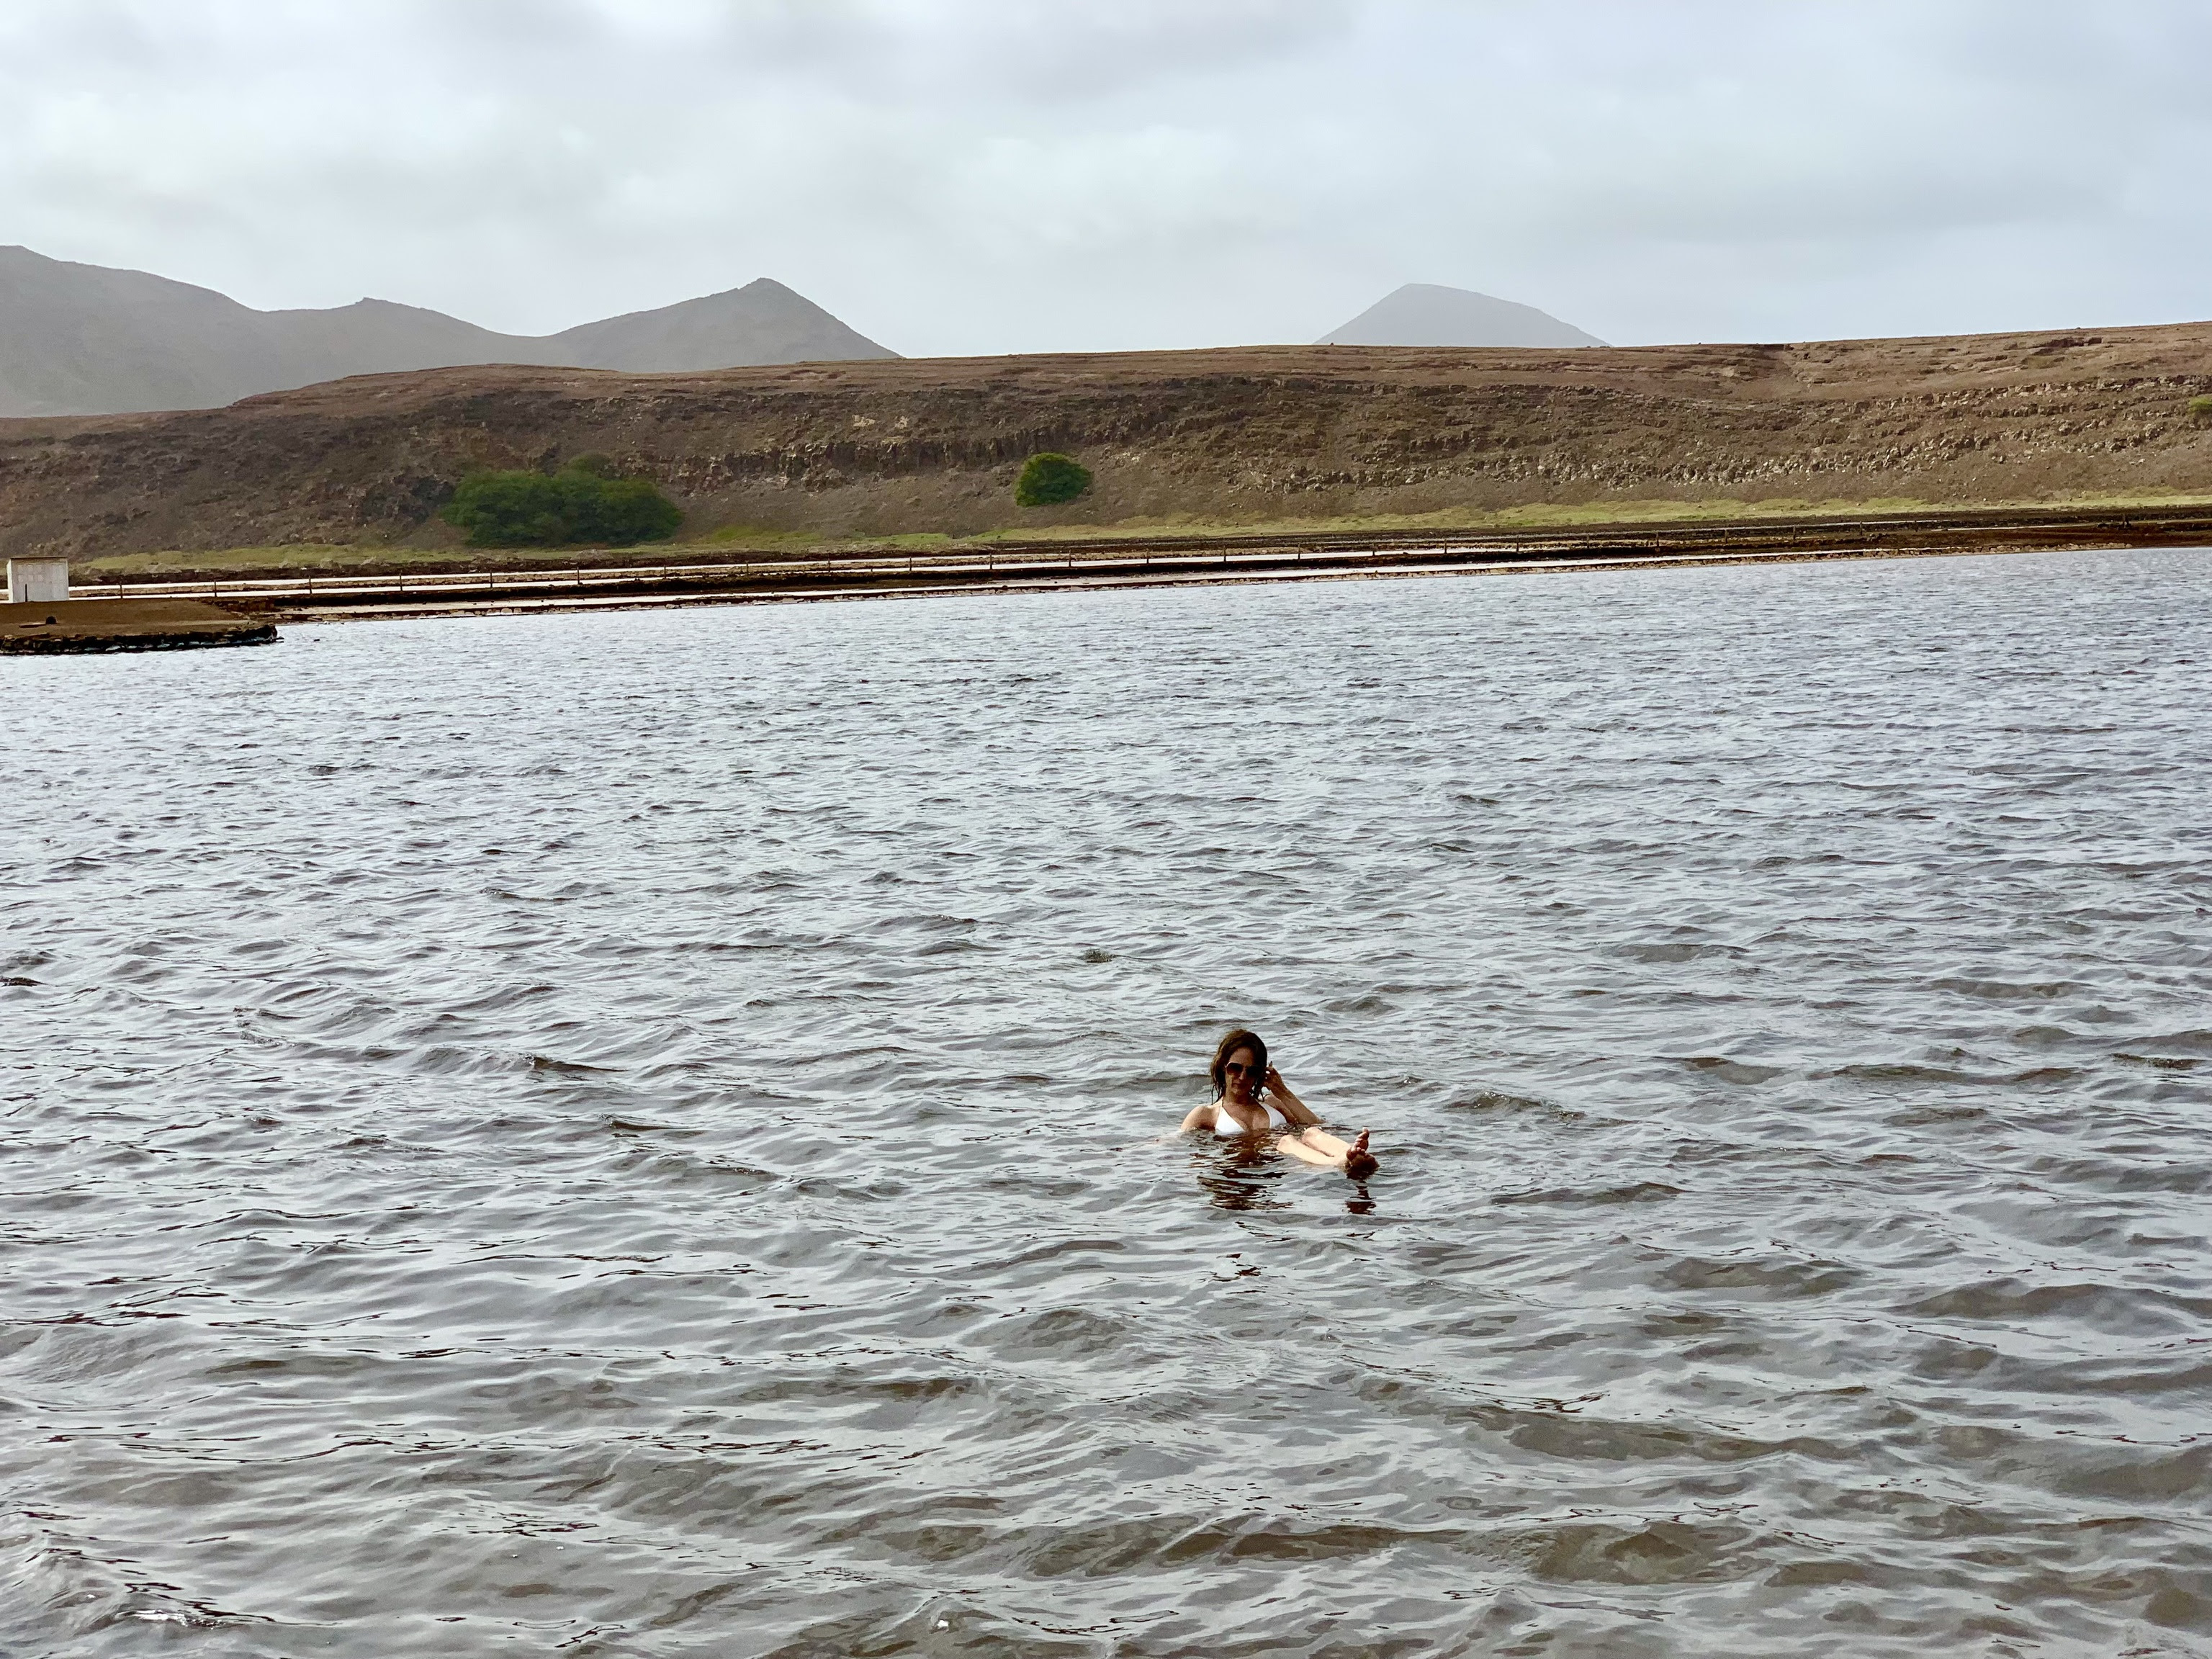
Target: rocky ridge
[1226,436]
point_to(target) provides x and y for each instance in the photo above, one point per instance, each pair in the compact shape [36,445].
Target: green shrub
[578,505]
[1048,480]
[2200,410]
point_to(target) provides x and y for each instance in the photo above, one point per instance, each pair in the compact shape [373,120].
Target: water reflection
[1245,1175]
[1240,1173]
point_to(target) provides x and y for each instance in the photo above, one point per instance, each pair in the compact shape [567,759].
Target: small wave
[1497,1099]
[1998,990]
[2014,1301]
[1732,1071]
[1641,1192]
[1762,1276]
[546,1063]
[1666,954]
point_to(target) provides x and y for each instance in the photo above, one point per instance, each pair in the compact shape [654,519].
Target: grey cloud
[1004,175]
[1004,52]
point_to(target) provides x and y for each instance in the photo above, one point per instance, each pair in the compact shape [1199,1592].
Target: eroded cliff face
[1216,436]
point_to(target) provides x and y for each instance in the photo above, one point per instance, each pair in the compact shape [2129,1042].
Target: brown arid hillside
[1226,437]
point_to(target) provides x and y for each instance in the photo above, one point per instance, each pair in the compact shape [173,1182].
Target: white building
[37,581]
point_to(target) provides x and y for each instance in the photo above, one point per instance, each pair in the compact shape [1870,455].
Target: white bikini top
[1225,1125]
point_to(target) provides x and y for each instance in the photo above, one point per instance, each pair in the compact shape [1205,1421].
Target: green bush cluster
[1048,480]
[2200,410]
[579,505]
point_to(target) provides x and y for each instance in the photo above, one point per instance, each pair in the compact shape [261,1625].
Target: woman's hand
[1292,1106]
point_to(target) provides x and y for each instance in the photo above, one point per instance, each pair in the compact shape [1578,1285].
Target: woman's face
[1242,1075]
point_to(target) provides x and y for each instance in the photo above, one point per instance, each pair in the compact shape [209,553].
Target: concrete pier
[84,625]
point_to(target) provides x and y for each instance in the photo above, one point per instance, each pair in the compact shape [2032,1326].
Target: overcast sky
[958,176]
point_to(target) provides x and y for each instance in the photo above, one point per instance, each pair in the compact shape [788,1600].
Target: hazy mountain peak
[79,339]
[1427,314]
[762,322]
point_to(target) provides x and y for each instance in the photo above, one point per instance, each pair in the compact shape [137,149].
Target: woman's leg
[1321,1148]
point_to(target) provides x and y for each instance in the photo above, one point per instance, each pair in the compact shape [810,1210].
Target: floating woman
[1250,1099]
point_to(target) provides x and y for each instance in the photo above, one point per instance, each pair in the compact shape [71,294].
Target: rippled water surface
[642,1134]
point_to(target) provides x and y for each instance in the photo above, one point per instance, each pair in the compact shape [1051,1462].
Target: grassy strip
[1579,514]
[737,541]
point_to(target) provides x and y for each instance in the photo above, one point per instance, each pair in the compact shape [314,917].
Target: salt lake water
[642,1134]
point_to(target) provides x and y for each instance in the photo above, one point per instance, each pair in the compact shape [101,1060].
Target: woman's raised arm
[1300,1114]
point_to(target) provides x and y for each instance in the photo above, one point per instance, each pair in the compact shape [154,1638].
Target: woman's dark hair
[1239,1038]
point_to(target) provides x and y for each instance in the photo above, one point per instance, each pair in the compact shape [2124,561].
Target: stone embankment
[1124,563]
[1247,435]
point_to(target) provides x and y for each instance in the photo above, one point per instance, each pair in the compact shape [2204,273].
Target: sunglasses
[1234,1070]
